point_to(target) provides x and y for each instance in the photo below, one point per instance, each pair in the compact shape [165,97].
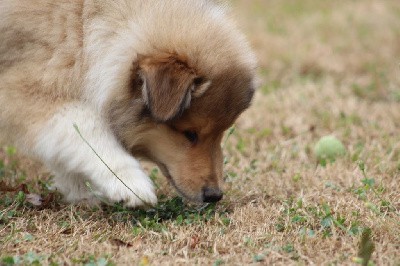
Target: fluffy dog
[153,79]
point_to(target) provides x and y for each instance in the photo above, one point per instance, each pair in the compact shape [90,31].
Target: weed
[92,260]
[369,185]
[154,176]
[366,248]
[174,210]
[288,248]
[296,177]
[229,133]
[218,262]
[310,220]
[258,257]
[30,258]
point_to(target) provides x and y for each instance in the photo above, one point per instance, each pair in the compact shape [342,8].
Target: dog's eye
[198,81]
[191,136]
[138,81]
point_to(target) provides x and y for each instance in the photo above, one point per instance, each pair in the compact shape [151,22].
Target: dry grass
[327,67]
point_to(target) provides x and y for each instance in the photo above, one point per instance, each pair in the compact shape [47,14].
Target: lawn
[325,68]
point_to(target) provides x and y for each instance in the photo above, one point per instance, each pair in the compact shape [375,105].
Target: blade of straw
[98,156]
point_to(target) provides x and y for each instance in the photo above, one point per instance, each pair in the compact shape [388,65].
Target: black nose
[212,194]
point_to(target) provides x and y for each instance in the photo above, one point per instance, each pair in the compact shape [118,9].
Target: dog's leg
[59,145]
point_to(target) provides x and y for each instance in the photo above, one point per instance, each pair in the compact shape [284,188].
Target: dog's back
[40,61]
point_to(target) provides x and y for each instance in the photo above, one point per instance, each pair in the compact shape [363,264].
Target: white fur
[74,163]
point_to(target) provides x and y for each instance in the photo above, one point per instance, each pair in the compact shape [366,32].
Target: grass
[326,69]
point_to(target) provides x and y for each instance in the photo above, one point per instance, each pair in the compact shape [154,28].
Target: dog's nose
[212,194]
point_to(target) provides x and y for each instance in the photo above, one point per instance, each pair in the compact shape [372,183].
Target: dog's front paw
[136,190]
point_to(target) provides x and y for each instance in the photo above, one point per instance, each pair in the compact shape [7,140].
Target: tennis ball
[328,148]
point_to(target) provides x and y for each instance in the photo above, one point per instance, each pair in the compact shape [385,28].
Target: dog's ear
[167,87]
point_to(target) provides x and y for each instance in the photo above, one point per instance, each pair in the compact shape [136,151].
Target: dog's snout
[212,194]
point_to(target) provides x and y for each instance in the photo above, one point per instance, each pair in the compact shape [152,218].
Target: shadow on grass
[173,210]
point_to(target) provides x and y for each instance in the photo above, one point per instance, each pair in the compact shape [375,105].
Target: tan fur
[150,70]
[40,65]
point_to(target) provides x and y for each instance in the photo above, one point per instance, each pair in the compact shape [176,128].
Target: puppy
[160,80]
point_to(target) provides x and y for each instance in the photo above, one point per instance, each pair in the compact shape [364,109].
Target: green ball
[328,148]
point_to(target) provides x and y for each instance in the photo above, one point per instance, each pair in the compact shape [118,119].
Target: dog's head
[184,92]
[176,116]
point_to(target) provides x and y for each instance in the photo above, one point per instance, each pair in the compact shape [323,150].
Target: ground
[325,68]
